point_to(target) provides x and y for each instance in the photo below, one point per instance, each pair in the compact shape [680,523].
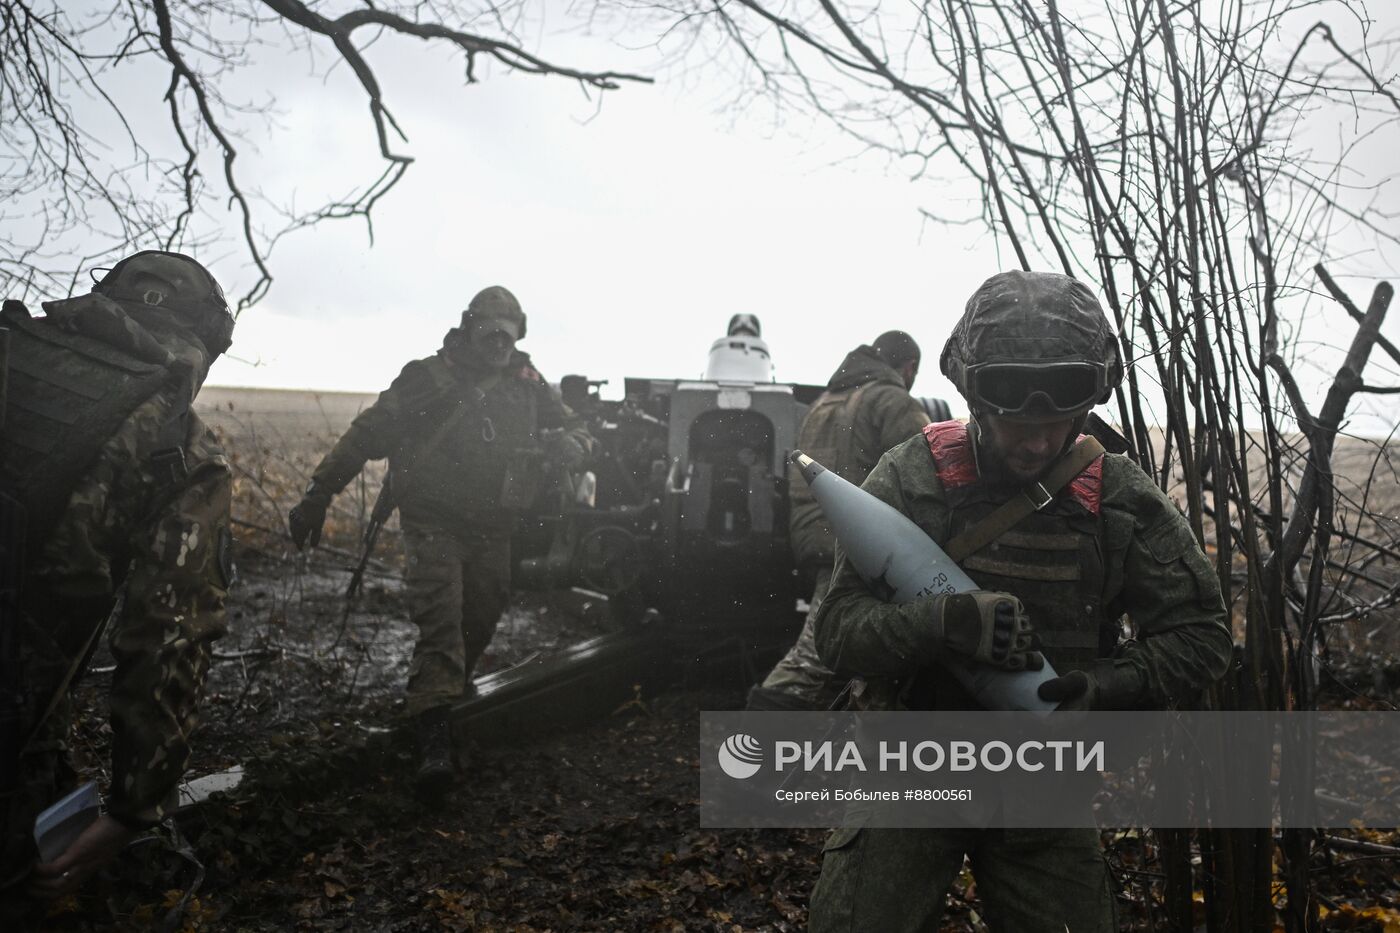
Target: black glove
[305,521]
[1077,690]
[1108,685]
[988,627]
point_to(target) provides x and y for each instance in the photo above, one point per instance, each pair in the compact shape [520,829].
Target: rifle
[383,507]
[385,503]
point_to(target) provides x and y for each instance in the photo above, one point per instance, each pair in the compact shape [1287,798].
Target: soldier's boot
[435,771]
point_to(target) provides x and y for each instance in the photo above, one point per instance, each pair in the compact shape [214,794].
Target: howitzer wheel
[609,559]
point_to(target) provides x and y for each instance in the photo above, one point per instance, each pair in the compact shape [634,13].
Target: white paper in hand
[57,827]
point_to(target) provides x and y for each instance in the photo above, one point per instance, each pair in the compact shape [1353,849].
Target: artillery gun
[679,530]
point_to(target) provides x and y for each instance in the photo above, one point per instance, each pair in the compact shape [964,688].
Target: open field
[278,416]
[274,439]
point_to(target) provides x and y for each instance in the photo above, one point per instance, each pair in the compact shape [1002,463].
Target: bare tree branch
[74,190]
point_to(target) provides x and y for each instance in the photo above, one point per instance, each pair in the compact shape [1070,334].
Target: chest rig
[1052,559]
[468,447]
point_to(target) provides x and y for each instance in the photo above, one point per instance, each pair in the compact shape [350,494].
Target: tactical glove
[305,521]
[1108,685]
[988,627]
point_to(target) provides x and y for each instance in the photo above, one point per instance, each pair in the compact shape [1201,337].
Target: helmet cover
[496,303]
[1029,327]
[173,282]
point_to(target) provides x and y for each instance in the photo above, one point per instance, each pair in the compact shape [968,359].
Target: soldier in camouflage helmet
[1032,354]
[111,484]
[468,433]
[865,410]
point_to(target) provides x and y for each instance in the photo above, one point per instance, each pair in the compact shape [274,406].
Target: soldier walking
[467,435]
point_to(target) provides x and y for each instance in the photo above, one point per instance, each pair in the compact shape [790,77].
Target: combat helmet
[495,303]
[176,283]
[1033,346]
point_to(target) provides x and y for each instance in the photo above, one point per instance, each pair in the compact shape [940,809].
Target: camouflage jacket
[488,462]
[865,410]
[166,538]
[1151,569]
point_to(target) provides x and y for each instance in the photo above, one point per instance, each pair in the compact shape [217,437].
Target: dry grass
[274,439]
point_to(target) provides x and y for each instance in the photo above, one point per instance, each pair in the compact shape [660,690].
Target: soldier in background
[865,410]
[467,432]
[112,485]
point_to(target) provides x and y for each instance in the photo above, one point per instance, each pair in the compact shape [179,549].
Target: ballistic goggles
[488,327]
[1036,390]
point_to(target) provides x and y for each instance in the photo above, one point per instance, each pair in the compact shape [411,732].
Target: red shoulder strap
[952,453]
[1087,487]
[951,448]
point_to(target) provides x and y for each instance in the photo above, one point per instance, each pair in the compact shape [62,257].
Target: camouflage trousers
[896,880]
[458,586]
[801,676]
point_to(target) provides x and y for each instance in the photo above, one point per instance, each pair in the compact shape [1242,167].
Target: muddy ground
[591,828]
[588,829]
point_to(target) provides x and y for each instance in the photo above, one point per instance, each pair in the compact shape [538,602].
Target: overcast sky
[630,235]
[630,232]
